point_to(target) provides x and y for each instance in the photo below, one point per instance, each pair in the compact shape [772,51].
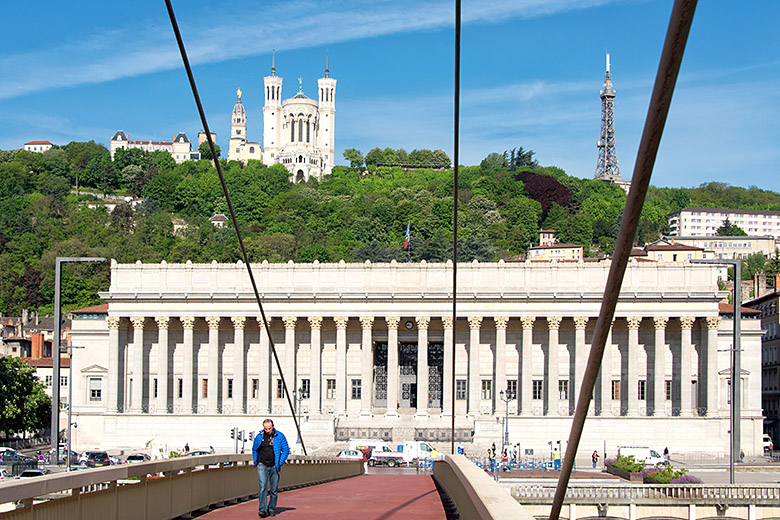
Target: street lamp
[55,365]
[70,409]
[506,397]
[298,397]
[736,360]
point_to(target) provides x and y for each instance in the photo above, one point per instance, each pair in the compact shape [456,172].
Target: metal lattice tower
[607,167]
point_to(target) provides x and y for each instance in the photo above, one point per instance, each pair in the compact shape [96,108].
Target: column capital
[341,321]
[686,322]
[138,322]
[213,322]
[527,321]
[553,322]
[580,322]
[423,322]
[633,322]
[289,321]
[315,322]
[475,322]
[188,322]
[446,322]
[713,322]
[367,322]
[113,322]
[660,322]
[238,321]
[162,321]
[501,321]
[392,322]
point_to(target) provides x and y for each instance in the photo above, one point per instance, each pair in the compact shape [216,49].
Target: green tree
[205,150]
[727,229]
[494,161]
[354,156]
[25,405]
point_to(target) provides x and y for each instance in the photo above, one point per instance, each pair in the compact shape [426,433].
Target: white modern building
[183,356]
[298,132]
[38,146]
[701,222]
[179,147]
[730,247]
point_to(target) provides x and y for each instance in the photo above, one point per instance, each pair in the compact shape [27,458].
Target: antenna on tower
[607,63]
[327,72]
[273,61]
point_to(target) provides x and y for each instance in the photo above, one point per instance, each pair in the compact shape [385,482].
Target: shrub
[628,464]
[663,475]
[687,479]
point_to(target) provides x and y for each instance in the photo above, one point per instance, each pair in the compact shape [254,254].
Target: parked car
[9,456]
[767,442]
[30,473]
[137,457]
[113,459]
[351,455]
[195,453]
[94,459]
[74,457]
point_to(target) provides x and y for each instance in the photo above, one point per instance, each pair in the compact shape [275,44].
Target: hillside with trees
[49,207]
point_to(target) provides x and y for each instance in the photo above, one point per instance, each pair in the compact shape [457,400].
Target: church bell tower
[326,136]
[272,115]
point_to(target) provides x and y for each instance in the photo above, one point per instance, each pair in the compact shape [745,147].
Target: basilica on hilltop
[297,132]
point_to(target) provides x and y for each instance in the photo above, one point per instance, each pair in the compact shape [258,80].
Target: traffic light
[240,434]
[233,433]
[251,436]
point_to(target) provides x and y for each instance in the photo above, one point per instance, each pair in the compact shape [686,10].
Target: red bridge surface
[367,497]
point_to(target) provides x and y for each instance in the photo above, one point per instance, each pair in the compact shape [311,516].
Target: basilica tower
[326,138]
[237,129]
[272,115]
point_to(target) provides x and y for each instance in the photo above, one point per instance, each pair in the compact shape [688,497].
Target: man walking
[270,451]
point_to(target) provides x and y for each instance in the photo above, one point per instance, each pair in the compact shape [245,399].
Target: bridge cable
[191,78]
[455,151]
[660,100]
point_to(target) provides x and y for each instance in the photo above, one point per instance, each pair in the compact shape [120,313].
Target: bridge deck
[367,497]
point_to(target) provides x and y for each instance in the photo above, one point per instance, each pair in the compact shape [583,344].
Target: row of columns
[474,377]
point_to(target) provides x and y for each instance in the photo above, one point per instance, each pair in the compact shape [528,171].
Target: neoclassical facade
[183,355]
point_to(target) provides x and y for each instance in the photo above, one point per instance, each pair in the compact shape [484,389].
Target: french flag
[406,240]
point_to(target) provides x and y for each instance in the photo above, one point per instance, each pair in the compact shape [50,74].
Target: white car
[350,455]
[4,474]
[767,442]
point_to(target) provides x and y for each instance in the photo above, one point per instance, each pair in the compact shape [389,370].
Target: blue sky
[531,75]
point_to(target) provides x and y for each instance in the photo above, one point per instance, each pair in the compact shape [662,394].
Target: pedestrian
[557,459]
[211,449]
[186,447]
[666,452]
[492,459]
[595,458]
[270,451]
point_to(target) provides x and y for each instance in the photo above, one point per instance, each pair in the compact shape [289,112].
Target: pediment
[94,369]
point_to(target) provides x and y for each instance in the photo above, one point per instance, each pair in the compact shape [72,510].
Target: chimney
[37,346]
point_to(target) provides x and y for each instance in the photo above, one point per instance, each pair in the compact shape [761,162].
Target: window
[63,380]
[180,387]
[640,390]
[487,389]
[356,389]
[95,389]
[563,389]
[330,388]
[154,388]
[668,389]
[205,388]
[279,389]
[49,380]
[230,389]
[460,389]
[511,389]
[305,388]
[615,390]
[255,388]
[537,389]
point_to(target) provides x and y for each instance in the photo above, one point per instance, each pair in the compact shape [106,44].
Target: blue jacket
[281,448]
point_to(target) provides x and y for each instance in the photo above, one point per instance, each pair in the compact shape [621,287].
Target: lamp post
[70,408]
[55,365]
[506,397]
[298,397]
[736,360]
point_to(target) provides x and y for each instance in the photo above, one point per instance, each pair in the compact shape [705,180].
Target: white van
[642,454]
[419,450]
[767,442]
[374,444]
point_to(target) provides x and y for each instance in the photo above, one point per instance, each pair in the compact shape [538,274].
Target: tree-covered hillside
[351,215]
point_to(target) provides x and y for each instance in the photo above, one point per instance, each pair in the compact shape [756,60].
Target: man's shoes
[262,514]
[271,513]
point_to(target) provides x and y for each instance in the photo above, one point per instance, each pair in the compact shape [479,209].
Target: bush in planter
[664,475]
[627,464]
[687,479]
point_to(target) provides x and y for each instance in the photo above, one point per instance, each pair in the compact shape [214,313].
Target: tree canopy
[25,407]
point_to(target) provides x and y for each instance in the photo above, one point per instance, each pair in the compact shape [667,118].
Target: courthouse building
[182,355]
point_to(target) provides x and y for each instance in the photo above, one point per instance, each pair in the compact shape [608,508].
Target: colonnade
[533,359]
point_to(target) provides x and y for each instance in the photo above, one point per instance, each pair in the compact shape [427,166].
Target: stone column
[581,353]
[162,363]
[367,358]
[606,375]
[711,361]
[115,377]
[137,397]
[686,371]
[212,400]
[553,397]
[659,366]
[263,392]
[474,382]
[526,365]
[341,364]
[392,365]
[239,363]
[632,382]
[315,399]
[422,365]
[188,366]
[289,357]
[500,380]
[447,380]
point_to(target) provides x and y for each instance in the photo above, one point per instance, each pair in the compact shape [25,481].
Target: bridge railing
[157,489]
[652,493]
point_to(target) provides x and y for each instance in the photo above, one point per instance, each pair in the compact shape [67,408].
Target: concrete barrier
[158,489]
[475,494]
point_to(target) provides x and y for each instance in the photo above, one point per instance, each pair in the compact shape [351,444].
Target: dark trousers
[268,478]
